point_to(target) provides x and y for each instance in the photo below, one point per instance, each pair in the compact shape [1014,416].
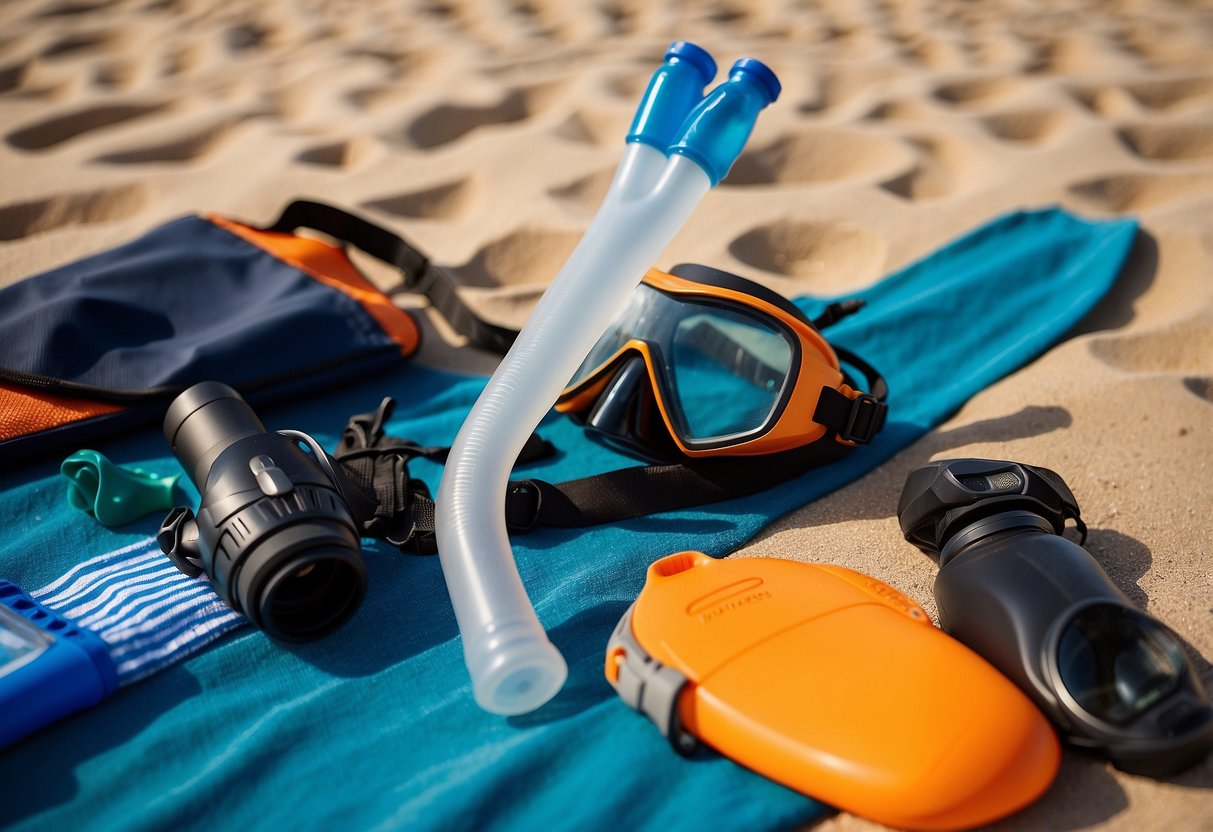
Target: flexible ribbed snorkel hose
[513,665]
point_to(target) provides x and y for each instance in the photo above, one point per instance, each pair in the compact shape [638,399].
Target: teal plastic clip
[111,493]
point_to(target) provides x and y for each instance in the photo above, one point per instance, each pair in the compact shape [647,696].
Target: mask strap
[375,466]
[377,463]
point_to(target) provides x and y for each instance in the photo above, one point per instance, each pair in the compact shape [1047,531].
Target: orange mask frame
[815,367]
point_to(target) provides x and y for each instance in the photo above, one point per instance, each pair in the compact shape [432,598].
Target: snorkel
[680,145]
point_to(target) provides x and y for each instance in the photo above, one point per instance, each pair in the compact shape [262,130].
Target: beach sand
[486,132]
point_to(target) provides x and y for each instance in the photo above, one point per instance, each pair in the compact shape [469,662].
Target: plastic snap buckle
[864,420]
[523,501]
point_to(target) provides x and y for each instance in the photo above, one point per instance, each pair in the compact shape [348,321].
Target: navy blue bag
[104,343]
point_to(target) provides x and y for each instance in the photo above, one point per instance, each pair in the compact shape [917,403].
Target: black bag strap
[420,275]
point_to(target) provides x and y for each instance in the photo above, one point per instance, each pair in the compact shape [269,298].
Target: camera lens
[303,582]
[310,596]
[1116,662]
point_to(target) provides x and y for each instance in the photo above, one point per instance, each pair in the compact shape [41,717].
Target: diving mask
[702,363]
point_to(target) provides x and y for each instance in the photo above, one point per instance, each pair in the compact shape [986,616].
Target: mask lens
[635,320]
[728,370]
[1116,662]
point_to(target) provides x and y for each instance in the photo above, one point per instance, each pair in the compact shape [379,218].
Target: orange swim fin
[834,684]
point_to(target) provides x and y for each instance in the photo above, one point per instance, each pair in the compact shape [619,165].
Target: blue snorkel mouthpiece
[715,132]
[674,90]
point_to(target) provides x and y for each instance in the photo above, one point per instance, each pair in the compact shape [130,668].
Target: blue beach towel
[375,727]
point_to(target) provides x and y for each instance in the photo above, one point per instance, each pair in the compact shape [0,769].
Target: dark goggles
[701,363]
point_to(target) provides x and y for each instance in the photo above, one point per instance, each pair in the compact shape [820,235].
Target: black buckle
[522,504]
[178,538]
[865,419]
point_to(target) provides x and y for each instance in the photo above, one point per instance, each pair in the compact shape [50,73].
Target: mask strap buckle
[854,421]
[865,419]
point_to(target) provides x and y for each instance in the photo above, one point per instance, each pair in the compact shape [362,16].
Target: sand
[486,132]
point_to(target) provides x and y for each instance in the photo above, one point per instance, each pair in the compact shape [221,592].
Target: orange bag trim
[330,265]
[24,412]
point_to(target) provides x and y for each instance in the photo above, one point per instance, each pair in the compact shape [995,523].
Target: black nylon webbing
[858,419]
[420,275]
[638,491]
[405,514]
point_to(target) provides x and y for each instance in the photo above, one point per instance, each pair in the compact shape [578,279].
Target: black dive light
[277,530]
[1040,608]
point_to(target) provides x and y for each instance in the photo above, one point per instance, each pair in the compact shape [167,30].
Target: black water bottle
[1042,610]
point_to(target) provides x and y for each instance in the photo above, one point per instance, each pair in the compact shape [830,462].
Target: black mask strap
[405,514]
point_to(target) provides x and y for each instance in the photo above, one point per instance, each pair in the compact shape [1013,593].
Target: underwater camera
[276,531]
[1040,608]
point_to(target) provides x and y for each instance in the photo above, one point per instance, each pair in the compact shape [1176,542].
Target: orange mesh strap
[329,265]
[23,412]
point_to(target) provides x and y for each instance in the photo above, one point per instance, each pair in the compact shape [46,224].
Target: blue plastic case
[49,667]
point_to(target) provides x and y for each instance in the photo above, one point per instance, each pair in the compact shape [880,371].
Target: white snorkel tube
[680,145]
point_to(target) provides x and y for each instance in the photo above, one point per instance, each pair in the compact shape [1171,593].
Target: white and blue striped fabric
[148,613]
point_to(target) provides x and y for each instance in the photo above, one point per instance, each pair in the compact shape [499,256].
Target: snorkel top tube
[674,90]
[680,145]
